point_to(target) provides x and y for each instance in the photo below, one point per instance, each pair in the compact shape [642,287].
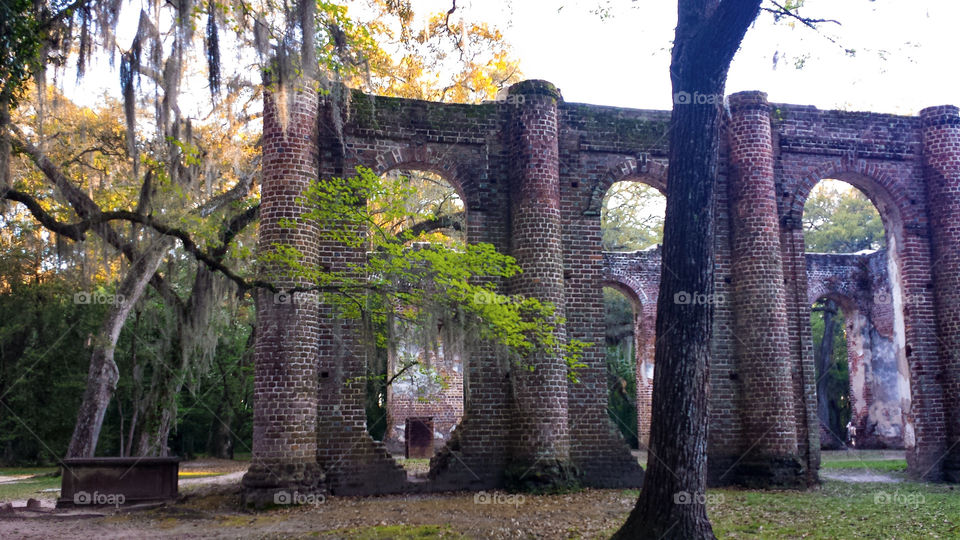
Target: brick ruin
[858,282]
[532,171]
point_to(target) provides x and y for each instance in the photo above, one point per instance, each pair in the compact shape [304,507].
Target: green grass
[837,510]
[397,532]
[19,471]
[28,488]
[887,465]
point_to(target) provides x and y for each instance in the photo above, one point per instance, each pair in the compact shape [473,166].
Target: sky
[905,55]
[903,59]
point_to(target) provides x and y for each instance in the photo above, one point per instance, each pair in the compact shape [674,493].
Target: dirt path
[858,476]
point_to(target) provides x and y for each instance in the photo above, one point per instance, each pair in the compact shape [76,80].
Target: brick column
[541,443]
[644,340]
[285,376]
[761,329]
[941,153]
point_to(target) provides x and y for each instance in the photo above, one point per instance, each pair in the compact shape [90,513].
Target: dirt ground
[588,514]
[209,507]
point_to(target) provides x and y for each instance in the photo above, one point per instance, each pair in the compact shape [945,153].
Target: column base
[757,471]
[951,472]
[543,475]
[282,484]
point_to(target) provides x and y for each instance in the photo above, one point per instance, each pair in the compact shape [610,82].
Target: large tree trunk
[672,501]
[103,374]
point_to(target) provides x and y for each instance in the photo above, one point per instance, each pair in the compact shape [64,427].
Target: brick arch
[646,171]
[883,190]
[420,157]
[846,302]
[629,287]
[842,292]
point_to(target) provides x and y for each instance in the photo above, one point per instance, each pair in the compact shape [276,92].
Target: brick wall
[532,176]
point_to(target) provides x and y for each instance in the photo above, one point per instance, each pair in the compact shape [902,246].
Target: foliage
[450,59]
[632,217]
[840,219]
[41,376]
[146,155]
[621,364]
[838,385]
[20,42]
[415,282]
[41,271]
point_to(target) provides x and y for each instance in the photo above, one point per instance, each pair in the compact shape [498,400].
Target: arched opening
[631,218]
[832,368]
[631,224]
[415,367]
[623,334]
[857,319]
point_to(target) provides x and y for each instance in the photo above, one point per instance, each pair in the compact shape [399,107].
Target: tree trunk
[103,374]
[672,501]
[824,359]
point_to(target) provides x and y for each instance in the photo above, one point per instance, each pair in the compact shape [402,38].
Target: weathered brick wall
[434,389]
[881,155]
[637,275]
[548,216]
[763,347]
[285,376]
[860,285]
[858,282]
[941,145]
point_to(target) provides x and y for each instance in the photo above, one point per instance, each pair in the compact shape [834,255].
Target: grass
[839,510]
[28,488]
[886,465]
[20,471]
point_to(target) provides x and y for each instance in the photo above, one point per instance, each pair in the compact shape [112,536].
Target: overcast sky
[905,52]
[905,59]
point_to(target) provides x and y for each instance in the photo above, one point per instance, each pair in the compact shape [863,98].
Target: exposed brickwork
[415,393]
[540,429]
[285,377]
[769,452]
[882,155]
[858,282]
[532,177]
[637,275]
[941,145]
[860,285]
